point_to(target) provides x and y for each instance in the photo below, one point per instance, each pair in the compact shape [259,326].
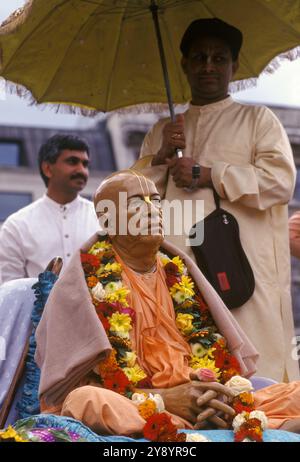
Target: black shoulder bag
[222,259]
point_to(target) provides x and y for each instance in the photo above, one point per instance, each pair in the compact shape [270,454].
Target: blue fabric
[29,402]
[67,423]
[16,302]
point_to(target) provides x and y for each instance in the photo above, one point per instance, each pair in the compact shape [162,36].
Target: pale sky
[281,88]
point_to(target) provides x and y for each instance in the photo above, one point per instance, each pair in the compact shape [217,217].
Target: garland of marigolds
[210,355]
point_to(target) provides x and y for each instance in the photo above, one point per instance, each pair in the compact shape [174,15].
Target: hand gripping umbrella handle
[154,8]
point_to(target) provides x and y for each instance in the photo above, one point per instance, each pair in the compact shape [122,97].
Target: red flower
[128,311]
[171,280]
[117,381]
[225,360]
[219,356]
[104,321]
[92,260]
[201,302]
[106,309]
[171,269]
[160,428]
[227,374]
[250,429]
[240,407]
[145,383]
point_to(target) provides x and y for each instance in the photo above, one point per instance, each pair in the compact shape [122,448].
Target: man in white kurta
[31,237]
[246,154]
[59,222]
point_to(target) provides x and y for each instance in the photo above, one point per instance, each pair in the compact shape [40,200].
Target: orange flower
[109,364]
[243,402]
[160,428]
[117,382]
[92,281]
[147,409]
[250,429]
[246,398]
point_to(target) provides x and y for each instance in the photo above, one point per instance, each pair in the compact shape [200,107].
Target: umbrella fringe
[16,19]
[157,108]
[273,65]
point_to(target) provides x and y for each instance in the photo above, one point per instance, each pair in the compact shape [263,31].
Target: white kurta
[253,170]
[31,237]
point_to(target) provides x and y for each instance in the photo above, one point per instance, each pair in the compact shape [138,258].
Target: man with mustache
[243,152]
[56,224]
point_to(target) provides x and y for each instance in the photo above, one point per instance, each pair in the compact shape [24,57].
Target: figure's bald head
[127,181]
[128,204]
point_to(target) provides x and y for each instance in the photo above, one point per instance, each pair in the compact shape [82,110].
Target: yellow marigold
[186,304]
[113,267]
[120,295]
[92,281]
[120,322]
[135,374]
[109,364]
[184,287]
[100,247]
[10,433]
[246,398]
[147,409]
[206,363]
[179,263]
[184,322]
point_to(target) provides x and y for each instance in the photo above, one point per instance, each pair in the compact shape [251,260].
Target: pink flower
[128,311]
[206,375]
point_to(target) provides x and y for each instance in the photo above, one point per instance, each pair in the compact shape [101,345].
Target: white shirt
[31,237]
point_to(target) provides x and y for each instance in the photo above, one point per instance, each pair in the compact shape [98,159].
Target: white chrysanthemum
[239,385]
[238,421]
[196,438]
[121,334]
[260,415]
[130,358]
[160,405]
[98,292]
[180,297]
[198,350]
[113,286]
[138,398]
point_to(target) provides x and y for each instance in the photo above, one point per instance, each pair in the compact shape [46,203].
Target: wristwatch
[196,171]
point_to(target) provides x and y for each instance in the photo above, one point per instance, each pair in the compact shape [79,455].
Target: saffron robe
[162,353]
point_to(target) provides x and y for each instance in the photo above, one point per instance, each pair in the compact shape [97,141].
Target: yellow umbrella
[103,55]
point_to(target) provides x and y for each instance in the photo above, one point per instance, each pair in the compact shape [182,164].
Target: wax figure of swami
[133,328]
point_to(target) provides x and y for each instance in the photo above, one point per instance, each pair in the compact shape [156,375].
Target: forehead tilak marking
[141,177]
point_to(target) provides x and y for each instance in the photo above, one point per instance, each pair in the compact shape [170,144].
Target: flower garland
[38,435]
[210,356]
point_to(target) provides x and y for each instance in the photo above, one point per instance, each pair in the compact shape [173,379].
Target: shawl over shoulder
[71,340]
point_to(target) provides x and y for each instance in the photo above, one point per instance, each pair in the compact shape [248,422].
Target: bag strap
[216,198]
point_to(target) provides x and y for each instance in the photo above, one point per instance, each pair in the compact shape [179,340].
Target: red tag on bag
[223,281]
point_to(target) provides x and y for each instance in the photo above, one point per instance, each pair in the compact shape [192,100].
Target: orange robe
[163,354]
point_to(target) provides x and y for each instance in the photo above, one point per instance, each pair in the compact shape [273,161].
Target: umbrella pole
[154,8]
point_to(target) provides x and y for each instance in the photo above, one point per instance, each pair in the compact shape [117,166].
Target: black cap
[214,27]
